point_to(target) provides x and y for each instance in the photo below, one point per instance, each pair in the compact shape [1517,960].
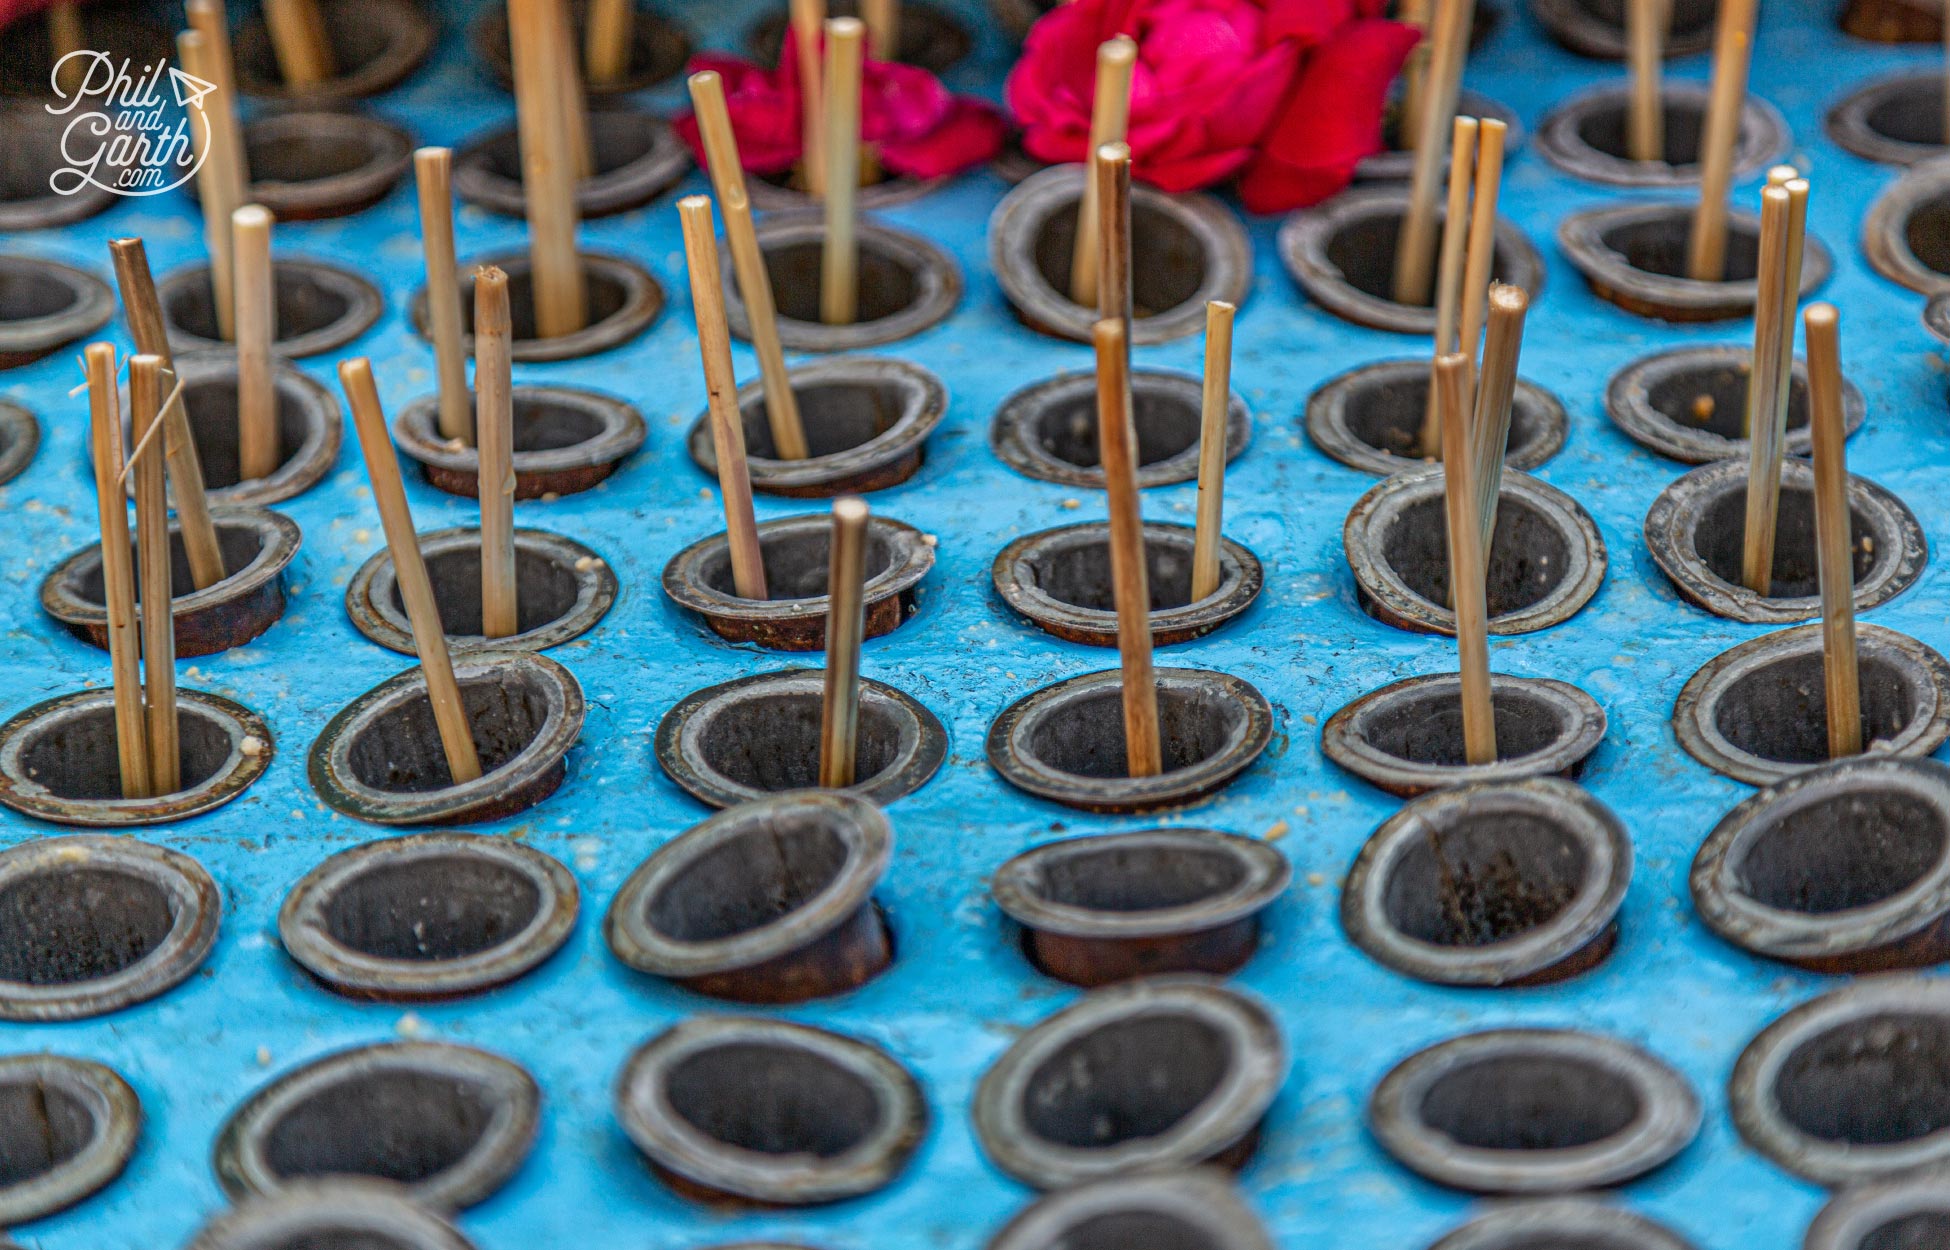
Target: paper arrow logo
[189,89]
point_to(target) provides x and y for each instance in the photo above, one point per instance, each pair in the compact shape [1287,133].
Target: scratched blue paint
[959,990]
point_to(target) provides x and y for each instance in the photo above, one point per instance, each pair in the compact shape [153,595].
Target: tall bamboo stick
[494,424]
[1466,586]
[839,718]
[433,179]
[158,625]
[839,282]
[257,329]
[1213,406]
[1415,243]
[1706,246]
[1764,435]
[1130,580]
[1110,118]
[548,172]
[1834,540]
[1645,36]
[118,572]
[609,40]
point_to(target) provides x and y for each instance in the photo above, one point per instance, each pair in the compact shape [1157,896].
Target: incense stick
[1415,72]
[494,424]
[721,390]
[1110,170]
[118,573]
[548,182]
[1764,434]
[1797,229]
[1130,581]
[1645,121]
[208,19]
[883,19]
[410,572]
[215,176]
[572,105]
[143,311]
[158,624]
[748,263]
[1449,270]
[839,714]
[808,21]
[1466,564]
[66,34]
[257,328]
[1482,242]
[298,41]
[1415,243]
[433,178]
[839,283]
[1841,678]
[1213,406]
[1706,246]
[609,41]
[1496,390]
[1110,119]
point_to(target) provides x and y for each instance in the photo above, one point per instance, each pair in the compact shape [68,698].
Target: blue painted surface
[960,990]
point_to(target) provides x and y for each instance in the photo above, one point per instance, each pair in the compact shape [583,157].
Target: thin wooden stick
[410,571]
[1706,246]
[1797,230]
[1764,435]
[721,390]
[1645,37]
[883,19]
[1415,73]
[158,624]
[298,41]
[609,40]
[1496,390]
[1415,244]
[1482,241]
[118,573]
[748,263]
[1834,540]
[808,18]
[494,423]
[1449,270]
[1130,581]
[208,19]
[1110,120]
[257,329]
[839,712]
[1466,564]
[66,34]
[1213,407]
[572,108]
[144,313]
[839,282]
[548,181]
[433,178]
[219,190]
[1110,170]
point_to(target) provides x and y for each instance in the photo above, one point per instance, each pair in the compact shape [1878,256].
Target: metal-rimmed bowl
[340,1208]
[1903,230]
[1689,403]
[1060,579]
[45,305]
[309,166]
[624,300]
[1883,1215]
[376,45]
[1634,256]
[74,1124]
[637,158]
[659,47]
[1048,429]
[1895,120]
[566,440]
[906,285]
[319,308]
[1371,419]
[1596,28]
[1585,136]
[1192,1209]
[1581,1222]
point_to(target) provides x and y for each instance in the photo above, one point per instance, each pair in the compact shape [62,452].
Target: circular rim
[869,466]
[1327,426]
[1304,238]
[1266,874]
[1628,402]
[1847,120]
[1585,33]
[674,1145]
[1019,220]
[1860,1211]
[412,33]
[923,741]
[560,469]
[1936,317]
[937,285]
[1398,164]
[27,339]
[1885,235]
[20,437]
[1241,577]
[643,303]
[1012,433]
[389,147]
[628,186]
[243,1170]
[305,929]
[1346,741]
[1763,138]
[369,597]
[1585,1221]
[1667,1119]
[1014,763]
[862,828]
[1664,297]
[765,38]
[1757,1114]
[1695,713]
[524,780]
[663,45]
[1201,1199]
[363,307]
[770,196]
[1778,933]
[116,1114]
[300,1210]
[1225,1118]
[1585,919]
[910,559]
[27,122]
[231,778]
[1390,599]
[1676,516]
[196,910]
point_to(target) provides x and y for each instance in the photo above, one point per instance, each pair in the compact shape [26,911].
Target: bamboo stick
[410,571]
[144,313]
[218,187]
[609,41]
[808,19]
[257,329]
[66,35]
[433,178]
[494,424]
[839,712]
[839,282]
[1645,36]
[721,389]
[1764,434]
[1415,243]
[1706,246]
[158,623]
[1797,230]
[207,19]
[572,106]
[748,263]
[1834,540]
[1214,403]
[1130,581]
[1415,72]
[1496,390]
[1449,270]
[1482,244]
[1466,564]
[1110,119]
[1110,171]
[298,41]
[118,573]
[548,181]
[883,19]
